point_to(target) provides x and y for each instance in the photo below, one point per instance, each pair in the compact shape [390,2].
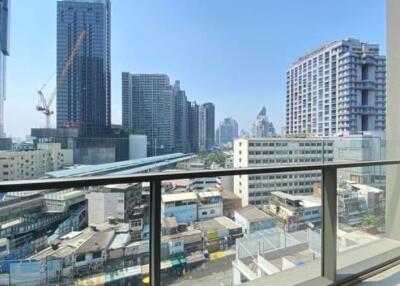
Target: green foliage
[371,220]
[218,158]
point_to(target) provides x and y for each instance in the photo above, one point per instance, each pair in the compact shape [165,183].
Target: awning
[166,264]
[195,258]
[178,261]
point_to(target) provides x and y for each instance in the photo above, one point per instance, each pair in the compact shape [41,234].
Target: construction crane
[44,105]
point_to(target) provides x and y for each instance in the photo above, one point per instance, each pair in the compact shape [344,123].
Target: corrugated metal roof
[123,167]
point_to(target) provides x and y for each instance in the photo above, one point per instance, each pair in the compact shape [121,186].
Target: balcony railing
[329,203]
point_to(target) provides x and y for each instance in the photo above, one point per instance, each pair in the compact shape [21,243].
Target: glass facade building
[84,87]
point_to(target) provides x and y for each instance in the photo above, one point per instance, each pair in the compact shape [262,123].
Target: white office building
[255,189]
[337,88]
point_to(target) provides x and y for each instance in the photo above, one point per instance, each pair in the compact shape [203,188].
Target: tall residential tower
[84,95]
[148,108]
[337,88]
[207,126]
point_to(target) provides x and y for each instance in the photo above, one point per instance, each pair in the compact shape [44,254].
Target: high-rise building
[207,126]
[181,119]
[193,126]
[227,131]
[148,108]
[337,88]
[4,51]
[262,127]
[84,93]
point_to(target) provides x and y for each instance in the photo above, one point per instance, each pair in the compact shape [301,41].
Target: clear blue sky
[232,53]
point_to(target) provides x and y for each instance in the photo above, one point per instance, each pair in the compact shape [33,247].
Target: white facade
[137,146]
[23,165]
[338,88]
[102,205]
[255,152]
[189,207]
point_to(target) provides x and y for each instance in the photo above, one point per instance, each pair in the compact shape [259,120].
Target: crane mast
[44,105]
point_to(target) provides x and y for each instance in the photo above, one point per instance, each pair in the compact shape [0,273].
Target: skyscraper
[181,119]
[84,94]
[337,88]
[262,127]
[193,126]
[207,126]
[227,131]
[148,108]
[4,51]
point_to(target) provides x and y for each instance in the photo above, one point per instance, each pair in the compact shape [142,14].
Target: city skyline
[204,47]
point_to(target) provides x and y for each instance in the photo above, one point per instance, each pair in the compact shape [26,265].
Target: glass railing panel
[245,228]
[83,236]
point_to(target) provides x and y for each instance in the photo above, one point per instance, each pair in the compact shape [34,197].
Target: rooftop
[252,214]
[216,224]
[365,188]
[168,198]
[99,241]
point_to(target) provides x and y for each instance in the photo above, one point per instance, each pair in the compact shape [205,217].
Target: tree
[218,158]
[371,220]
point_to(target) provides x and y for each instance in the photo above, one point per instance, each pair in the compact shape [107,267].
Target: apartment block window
[364,123]
[80,257]
[364,97]
[96,254]
[364,72]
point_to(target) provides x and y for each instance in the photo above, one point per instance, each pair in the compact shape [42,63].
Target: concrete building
[148,108]
[251,219]
[255,189]
[79,100]
[207,126]
[369,146]
[115,201]
[262,127]
[219,233]
[4,51]
[137,146]
[181,119]
[295,212]
[227,131]
[33,164]
[230,202]
[192,206]
[337,88]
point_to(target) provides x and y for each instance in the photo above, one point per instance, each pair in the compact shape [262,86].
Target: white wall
[137,146]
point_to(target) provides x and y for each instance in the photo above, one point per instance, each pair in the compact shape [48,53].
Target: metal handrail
[42,184]
[329,200]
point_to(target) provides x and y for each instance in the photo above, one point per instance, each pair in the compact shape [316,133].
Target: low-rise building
[33,164]
[252,219]
[230,202]
[219,233]
[295,212]
[191,206]
[116,201]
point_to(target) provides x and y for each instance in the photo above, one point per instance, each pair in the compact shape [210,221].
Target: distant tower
[207,126]
[4,51]
[262,127]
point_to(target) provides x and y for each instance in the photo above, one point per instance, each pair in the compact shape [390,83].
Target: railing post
[329,223]
[155,233]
